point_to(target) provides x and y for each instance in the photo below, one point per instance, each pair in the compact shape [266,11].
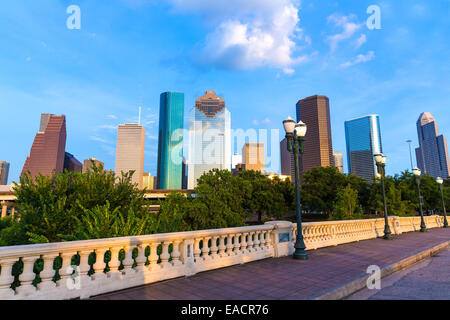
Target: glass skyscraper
[363,138]
[170,148]
[432,155]
[209,137]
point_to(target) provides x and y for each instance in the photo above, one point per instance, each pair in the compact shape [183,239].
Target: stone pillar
[282,238]
[4,209]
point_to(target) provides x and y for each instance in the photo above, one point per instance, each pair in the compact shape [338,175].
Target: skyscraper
[48,149]
[432,154]
[363,138]
[287,160]
[71,163]
[88,163]
[209,137]
[318,148]
[253,156]
[170,148]
[235,160]
[339,161]
[130,151]
[4,171]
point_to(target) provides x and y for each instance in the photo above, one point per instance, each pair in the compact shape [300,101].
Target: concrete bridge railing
[152,258]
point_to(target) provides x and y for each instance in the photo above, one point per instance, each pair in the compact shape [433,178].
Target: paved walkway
[428,279]
[286,278]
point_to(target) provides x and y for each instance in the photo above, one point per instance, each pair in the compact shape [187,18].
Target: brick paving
[286,278]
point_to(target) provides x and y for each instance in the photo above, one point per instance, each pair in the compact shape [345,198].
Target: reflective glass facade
[363,138]
[432,155]
[170,148]
[209,137]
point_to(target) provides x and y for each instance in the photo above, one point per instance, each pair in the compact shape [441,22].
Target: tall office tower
[71,163]
[235,160]
[88,164]
[130,151]
[148,181]
[315,112]
[363,138]
[339,161]
[432,154]
[184,175]
[253,156]
[170,148]
[48,149]
[4,171]
[287,161]
[209,137]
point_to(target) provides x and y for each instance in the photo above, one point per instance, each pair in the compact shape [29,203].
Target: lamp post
[417,174]
[440,182]
[295,134]
[380,160]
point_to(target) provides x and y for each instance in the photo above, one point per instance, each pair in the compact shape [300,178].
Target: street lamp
[295,135]
[417,174]
[440,182]
[380,160]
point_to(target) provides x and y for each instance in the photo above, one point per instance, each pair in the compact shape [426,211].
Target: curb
[356,285]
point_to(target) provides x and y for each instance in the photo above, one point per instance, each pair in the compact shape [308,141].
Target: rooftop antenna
[410,153]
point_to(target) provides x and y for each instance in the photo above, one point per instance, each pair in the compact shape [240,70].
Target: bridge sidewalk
[325,274]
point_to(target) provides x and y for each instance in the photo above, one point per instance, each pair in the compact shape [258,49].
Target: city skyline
[99,83]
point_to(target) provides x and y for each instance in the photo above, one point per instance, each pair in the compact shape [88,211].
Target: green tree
[346,205]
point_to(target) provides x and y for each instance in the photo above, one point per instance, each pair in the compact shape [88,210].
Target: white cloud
[361,40]
[348,27]
[98,139]
[359,59]
[111,116]
[248,34]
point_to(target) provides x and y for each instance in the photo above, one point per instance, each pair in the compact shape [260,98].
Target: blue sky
[262,56]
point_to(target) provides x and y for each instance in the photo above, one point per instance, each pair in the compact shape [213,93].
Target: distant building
[71,163]
[287,161]
[148,181]
[48,149]
[130,151]
[170,145]
[253,156]
[184,175]
[315,112]
[235,160]
[88,163]
[4,171]
[432,154]
[339,161]
[363,139]
[209,137]
[238,168]
[280,176]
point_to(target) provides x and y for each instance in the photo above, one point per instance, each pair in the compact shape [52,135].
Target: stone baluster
[229,245]
[47,272]
[222,246]
[99,265]
[269,239]
[6,278]
[141,259]
[244,243]
[66,270]
[214,247]
[197,250]
[237,245]
[84,262]
[205,248]
[153,257]
[257,242]
[128,261]
[26,287]
[165,256]
[114,263]
[176,254]
[263,240]
[250,242]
